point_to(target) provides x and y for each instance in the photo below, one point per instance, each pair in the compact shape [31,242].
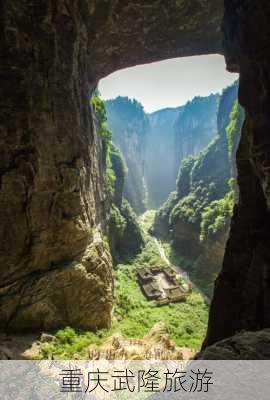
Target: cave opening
[56,262]
[175,127]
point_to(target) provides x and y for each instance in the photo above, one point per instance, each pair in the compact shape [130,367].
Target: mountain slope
[197,215]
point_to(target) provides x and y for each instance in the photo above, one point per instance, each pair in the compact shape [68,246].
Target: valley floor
[182,324]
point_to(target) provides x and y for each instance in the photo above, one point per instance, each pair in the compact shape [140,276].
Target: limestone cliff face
[154,144]
[51,196]
[241,298]
[129,125]
[175,134]
[55,268]
[203,183]
[195,127]
[160,168]
[147,144]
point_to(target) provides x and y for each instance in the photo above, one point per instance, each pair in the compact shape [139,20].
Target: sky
[169,83]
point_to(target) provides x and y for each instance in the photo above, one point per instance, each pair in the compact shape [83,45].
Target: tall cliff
[129,125]
[241,297]
[160,168]
[153,145]
[195,126]
[197,215]
[124,234]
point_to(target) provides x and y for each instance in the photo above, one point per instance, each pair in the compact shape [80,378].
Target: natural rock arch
[55,268]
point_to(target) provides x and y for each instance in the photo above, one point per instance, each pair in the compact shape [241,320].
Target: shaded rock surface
[241,298]
[243,346]
[19,347]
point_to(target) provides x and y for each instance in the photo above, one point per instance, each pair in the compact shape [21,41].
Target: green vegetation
[186,322]
[72,344]
[201,180]
[118,161]
[164,211]
[134,316]
[125,233]
[146,220]
[117,221]
[204,198]
[196,218]
[203,278]
[128,109]
[216,217]
[234,126]
[106,136]
[129,124]
[202,159]
[183,179]
[190,208]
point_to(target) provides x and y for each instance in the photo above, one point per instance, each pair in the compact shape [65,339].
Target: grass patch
[134,316]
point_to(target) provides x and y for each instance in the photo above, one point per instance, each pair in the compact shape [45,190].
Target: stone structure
[161,286]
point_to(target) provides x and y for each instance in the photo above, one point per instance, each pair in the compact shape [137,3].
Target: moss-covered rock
[125,234]
[120,171]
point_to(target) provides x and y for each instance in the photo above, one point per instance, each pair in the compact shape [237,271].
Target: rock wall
[147,144]
[242,346]
[125,236]
[195,127]
[129,125]
[203,183]
[160,170]
[241,299]
[175,134]
[55,267]
[154,145]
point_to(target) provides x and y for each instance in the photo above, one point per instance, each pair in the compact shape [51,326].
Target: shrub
[232,127]
[216,217]
[106,136]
